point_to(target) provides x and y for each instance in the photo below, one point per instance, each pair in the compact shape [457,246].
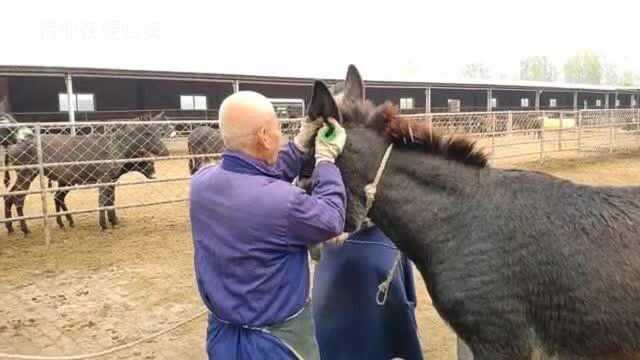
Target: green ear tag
[329,134]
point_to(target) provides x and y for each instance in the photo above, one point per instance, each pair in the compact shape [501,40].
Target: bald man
[251,229]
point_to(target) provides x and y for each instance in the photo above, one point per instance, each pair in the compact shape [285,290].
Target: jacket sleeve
[320,216]
[290,161]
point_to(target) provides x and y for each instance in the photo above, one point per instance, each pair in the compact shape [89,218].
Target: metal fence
[521,136]
[146,161]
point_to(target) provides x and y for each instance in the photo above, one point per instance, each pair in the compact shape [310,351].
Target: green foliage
[585,67]
[476,71]
[538,68]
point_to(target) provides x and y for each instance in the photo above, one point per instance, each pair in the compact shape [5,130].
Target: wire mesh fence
[149,162]
[519,136]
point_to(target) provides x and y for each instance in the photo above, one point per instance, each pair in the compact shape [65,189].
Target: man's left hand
[308,130]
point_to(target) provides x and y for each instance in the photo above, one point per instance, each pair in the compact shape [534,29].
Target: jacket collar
[241,163]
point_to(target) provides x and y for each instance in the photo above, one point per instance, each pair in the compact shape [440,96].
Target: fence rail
[113,154]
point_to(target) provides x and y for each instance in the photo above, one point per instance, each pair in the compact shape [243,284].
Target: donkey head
[142,141]
[7,131]
[365,142]
[370,130]
[146,168]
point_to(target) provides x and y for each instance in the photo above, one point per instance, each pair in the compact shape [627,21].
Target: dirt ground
[92,290]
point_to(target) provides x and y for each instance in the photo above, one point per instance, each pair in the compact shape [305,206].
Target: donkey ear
[354,86]
[158,117]
[322,103]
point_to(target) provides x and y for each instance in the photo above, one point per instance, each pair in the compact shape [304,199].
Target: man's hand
[330,141]
[316,250]
[308,130]
[338,240]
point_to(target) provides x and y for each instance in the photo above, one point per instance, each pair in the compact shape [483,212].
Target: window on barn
[494,103]
[406,103]
[598,102]
[81,102]
[193,102]
[633,101]
[453,105]
[553,103]
[84,102]
[586,104]
[617,102]
[524,102]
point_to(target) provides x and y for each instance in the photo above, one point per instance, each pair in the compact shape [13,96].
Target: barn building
[42,93]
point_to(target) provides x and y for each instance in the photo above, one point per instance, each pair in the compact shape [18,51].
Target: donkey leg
[111,200]
[8,203]
[23,182]
[57,199]
[20,210]
[500,351]
[102,213]
[489,355]
[63,204]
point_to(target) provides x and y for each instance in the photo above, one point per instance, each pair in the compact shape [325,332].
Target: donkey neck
[420,195]
[122,145]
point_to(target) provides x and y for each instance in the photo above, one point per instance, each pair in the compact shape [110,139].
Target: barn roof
[11,70]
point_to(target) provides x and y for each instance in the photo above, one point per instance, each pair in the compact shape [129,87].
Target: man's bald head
[243,114]
[246,117]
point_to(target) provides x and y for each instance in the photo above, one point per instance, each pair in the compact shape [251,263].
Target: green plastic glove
[330,141]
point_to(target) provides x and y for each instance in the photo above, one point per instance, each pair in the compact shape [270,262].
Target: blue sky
[403,40]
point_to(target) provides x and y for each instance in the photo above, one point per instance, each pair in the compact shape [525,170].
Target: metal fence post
[542,138]
[493,134]
[43,185]
[611,129]
[510,124]
[611,137]
[560,131]
[579,126]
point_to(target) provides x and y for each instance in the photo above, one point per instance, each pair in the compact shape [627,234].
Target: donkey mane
[415,135]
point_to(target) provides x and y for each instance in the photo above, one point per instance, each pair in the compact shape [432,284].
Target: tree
[538,68]
[476,71]
[611,74]
[614,76]
[584,67]
[627,78]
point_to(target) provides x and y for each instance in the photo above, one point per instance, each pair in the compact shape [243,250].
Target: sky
[387,40]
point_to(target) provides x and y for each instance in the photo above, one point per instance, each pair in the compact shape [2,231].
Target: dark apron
[294,338]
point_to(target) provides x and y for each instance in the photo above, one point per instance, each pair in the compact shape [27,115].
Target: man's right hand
[330,141]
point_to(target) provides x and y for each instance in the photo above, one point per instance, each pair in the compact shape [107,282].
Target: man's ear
[323,104]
